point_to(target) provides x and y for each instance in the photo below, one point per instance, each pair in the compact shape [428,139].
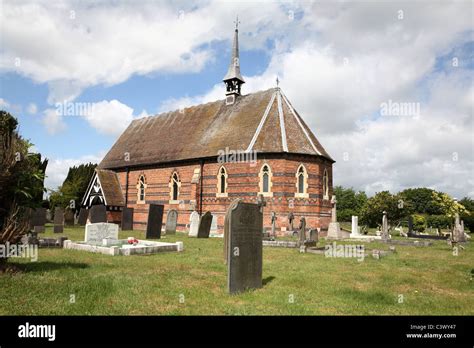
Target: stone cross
[333,211]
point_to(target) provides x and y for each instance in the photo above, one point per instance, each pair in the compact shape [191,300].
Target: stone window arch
[175,186]
[325,184]
[222,182]
[301,182]
[265,184]
[141,189]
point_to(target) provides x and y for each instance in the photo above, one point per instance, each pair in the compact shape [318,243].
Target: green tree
[349,202]
[73,187]
[373,209]
[22,176]
[421,200]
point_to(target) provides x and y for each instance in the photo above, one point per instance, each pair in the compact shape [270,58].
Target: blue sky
[337,63]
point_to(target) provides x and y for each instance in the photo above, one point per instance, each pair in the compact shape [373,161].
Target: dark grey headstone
[410,225]
[155,221]
[171,221]
[83,215]
[127,219]
[69,217]
[58,220]
[205,225]
[244,223]
[98,213]
[37,217]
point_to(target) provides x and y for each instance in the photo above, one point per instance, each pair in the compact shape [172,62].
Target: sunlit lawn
[430,280]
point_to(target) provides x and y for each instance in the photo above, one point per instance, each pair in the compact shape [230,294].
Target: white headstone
[96,233]
[355,225]
[194,224]
[214,223]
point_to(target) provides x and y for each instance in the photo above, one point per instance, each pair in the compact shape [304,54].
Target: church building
[203,157]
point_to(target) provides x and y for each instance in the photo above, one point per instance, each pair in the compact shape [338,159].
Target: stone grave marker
[274,219]
[98,213]
[355,226]
[38,219]
[291,218]
[171,221]
[194,224]
[58,220]
[127,219]
[69,217]
[214,223]
[384,233]
[96,233]
[205,225]
[302,230]
[243,229]
[155,221]
[83,215]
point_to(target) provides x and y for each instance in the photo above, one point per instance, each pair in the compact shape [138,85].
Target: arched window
[265,180]
[222,182]
[302,182]
[175,186]
[141,187]
[325,185]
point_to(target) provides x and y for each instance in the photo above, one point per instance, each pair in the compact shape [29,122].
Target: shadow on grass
[267,280]
[49,266]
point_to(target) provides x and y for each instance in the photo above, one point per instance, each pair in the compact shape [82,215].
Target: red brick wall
[243,182]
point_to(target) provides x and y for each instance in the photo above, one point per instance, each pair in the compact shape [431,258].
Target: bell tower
[233,79]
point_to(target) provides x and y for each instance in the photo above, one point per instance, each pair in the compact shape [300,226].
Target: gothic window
[222,182]
[325,185]
[265,180]
[141,186]
[175,185]
[302,182]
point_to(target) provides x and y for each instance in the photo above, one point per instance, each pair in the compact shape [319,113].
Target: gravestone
[83,214]
[96,233]
[98,213]
[314,235]
[69,217]
[194,224]
[127,219]
[302,230]
[274,218]
[291,218]
[205,225]
[214,223]
[171,221]
[384,232]
[410,225]
[58,220]
[355,226]
[155,221]
[38,219]
[243,229]
[334,229]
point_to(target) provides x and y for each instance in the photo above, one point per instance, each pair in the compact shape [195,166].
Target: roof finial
[237,22]
[277,81]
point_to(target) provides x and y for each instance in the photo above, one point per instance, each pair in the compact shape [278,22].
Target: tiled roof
[263,121]
[111,188]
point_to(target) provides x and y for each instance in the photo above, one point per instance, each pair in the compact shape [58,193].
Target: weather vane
[237,22]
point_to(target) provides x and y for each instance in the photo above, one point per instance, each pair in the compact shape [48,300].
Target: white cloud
[57,169]
[110,117]
[53,121]
[32,108]
[91,45]
[4,103]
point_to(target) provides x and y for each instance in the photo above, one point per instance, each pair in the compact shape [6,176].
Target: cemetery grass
[412,281]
